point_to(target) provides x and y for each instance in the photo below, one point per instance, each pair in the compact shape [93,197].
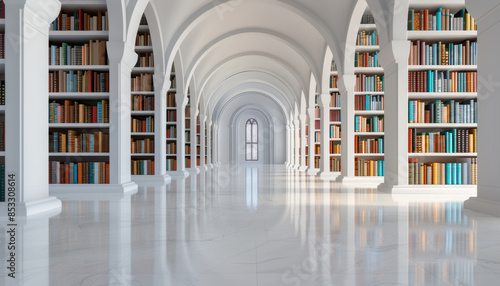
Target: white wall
[272,132]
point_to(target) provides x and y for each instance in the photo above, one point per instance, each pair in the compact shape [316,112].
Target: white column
[209,149]
[288,146]
[26,113]
[303,142]
[311,170]
[347,84]
[194,113]
[203,120]
[488,189]
[215,145]
[162,84]
[181,101]
[325,138]
[296,140]
[394,59]
[121,62]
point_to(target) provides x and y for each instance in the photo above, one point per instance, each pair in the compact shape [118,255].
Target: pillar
[394,59]
[193,122]
[303,142]
[26,112]
[203,120]
[347,84]
[181,101]
[488,190]
[325,172]
[297,143]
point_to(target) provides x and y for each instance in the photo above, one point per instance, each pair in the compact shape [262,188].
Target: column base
[329,176]
[312,172]
[364,181]
[296,167]
[462,190]
[178,174]
[125,188]
[48,206]
[147,180]
[483,206]
[194,170]
[302,168]
[204,168]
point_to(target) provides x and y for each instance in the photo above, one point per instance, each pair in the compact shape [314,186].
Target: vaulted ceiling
[283,44]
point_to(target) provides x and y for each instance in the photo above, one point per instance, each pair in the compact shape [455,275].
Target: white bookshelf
[79,38]
[367,71]
[443,37]
[143,164]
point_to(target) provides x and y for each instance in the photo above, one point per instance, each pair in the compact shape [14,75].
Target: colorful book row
[460,173]
[143,39]
[171,164]
[93,53]
[366,59]
[73,141]
[368,124]
[145,60]
[74,112]
[368,146]
[367,38]
[440,20]
[449,141]
[143,125]
[143,167]
[367,83]
[335,131]
[335,99]
[439,53]
[78,81]
[171,148]
[142,103]
[369,102]
[442,112]
[142,82]
[81,21]
[78,173]
[368,167]
[335,165]
[171,131]
[142,146]
[442,81]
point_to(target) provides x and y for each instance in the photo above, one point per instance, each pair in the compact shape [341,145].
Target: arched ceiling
[280,43]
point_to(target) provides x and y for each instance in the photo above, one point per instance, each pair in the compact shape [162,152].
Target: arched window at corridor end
[251,140]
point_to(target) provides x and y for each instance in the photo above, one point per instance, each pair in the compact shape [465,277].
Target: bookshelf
[187,134]
[317,133]
[143,106]
[2,101]
[335,122]
[171,132]
[368,104]
[197,153]
[442,98]
[79,96]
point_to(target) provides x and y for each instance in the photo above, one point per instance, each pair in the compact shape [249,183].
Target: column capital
[181,100]
[347,82]
[296,123]
[324,100]
[311,112]
[122,53]
[394,52]
[161,82]
[302,118]
[45,11]
[203,118]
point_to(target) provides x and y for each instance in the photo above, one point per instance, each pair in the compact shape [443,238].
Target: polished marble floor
[256,226]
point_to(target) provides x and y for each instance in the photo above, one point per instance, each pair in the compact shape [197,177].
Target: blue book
[75,174]
[438,19]
[434,53]
[453,173]
[454,140]
[448,173]
[459,173]
[92,144]
[99,112]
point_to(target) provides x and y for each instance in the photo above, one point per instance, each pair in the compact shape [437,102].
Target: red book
[80,19]
[94,114]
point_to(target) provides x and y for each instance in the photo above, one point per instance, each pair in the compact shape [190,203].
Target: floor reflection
[257,226]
